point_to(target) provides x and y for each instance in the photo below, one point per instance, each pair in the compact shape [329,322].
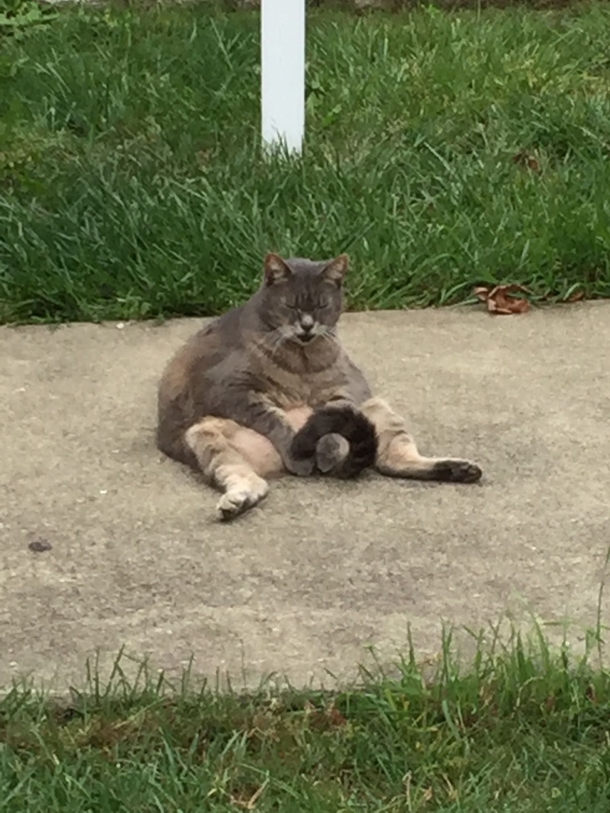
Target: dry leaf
[527,160]
[335,717]
[501,300]
[40,545]
[577,296]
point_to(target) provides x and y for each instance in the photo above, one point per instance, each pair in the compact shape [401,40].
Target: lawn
[444,150]
[521,730]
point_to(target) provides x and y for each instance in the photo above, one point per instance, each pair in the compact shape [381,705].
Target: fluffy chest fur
[293,377]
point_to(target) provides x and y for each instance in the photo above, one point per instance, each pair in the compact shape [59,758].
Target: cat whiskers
[329,335]
[277,337]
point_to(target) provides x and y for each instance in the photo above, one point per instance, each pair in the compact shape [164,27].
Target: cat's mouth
[305,338]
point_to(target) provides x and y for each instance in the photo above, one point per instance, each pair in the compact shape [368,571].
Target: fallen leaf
[40,546]
[577,296]
[335,717]
[500,299]
[527,160]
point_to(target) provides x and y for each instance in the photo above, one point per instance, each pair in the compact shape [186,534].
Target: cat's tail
[348,422]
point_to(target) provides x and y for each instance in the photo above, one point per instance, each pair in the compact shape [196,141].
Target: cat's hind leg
[212,440]
[398,456]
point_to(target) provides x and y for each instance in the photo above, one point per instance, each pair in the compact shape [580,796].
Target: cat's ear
[276,270]
[335,270]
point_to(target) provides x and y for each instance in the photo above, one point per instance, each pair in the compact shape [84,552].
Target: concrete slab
[322,570]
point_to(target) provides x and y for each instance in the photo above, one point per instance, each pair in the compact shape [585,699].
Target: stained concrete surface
[323,570]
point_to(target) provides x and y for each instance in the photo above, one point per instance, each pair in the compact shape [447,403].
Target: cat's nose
[306,322]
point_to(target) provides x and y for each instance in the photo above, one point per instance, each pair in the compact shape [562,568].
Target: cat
[267,389]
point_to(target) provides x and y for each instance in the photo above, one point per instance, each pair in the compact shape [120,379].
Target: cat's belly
[258,450]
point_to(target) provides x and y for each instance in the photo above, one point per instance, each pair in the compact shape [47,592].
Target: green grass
[132,184]
[521,730]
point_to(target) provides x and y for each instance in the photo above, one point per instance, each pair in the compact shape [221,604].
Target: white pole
[283,72]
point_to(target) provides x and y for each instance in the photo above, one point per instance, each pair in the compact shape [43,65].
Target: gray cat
[268,389]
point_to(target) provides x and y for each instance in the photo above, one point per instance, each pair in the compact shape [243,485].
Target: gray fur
[276,352]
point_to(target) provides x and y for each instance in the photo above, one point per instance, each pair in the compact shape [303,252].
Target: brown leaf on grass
[323,719]
[335,718]
[527,160]
[577,296]
[500,299]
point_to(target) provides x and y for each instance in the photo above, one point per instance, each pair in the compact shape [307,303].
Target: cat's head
[302,299]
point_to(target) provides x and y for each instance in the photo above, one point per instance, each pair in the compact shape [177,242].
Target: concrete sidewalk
[322,570]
